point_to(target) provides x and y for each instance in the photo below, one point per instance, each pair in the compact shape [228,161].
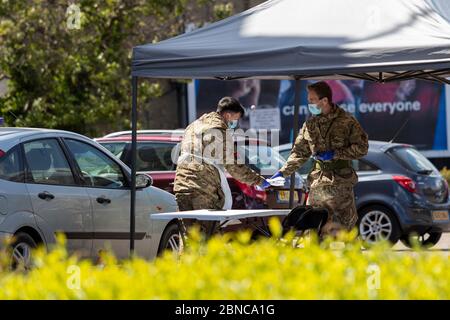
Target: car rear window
[413,160]
[151,156]
[360,166]
[155,157]
[11,168]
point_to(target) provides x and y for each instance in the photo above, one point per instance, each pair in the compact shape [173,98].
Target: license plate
[440,215]
[283,196]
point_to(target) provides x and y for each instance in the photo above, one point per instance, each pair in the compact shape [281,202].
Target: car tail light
[251,191]
[406,183]
[2,153]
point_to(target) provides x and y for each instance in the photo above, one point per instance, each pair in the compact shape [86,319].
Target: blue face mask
[233,124]
[314,109]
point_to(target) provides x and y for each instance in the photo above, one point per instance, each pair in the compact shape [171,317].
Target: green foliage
[78,79]
[232,267]
[223,10]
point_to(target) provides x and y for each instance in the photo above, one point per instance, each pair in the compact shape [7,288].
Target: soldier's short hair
[322,89]
[230,104]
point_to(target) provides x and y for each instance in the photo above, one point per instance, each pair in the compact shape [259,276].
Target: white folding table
[220,217]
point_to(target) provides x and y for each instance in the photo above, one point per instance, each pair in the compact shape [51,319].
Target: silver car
[55,181]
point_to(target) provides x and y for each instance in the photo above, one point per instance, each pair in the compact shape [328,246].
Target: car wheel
[425,240]
[171,240]
[21,249]
[377,223]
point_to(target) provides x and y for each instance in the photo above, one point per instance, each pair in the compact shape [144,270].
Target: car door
[108,187]
[14,198]
[59,202]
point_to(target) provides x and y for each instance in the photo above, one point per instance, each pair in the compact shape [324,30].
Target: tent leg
[134,83]
[295,126]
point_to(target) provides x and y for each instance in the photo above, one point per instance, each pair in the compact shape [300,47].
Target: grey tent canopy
[381,40]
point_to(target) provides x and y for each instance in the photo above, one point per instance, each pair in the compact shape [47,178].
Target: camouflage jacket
[338,131]
[208,137]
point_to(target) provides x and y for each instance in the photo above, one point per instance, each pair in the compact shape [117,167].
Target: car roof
[159,136]
[9,137]
[178,132]
[13,130]
[141,138]
[16,132]
[386,145]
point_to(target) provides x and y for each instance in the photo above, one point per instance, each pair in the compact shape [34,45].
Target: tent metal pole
[413,74]
[441,79]
[399,77]
[442,72]
[368,76]
[134,82]
[362,77]
[295,127]
[431,79]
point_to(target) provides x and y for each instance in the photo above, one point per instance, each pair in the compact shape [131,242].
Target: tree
[68,65]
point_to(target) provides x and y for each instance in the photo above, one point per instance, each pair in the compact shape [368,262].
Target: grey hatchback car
[400,194]
[57,181]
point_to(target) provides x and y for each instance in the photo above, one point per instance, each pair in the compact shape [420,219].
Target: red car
[154,157]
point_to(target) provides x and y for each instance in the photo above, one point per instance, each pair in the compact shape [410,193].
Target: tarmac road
[443,245]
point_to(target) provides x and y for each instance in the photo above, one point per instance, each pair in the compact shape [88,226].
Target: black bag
[304,218]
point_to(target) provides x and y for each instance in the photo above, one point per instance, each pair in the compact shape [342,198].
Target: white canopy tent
[383,40]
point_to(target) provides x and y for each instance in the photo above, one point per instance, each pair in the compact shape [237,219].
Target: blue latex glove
[265,184]
[325,156]
[276,175]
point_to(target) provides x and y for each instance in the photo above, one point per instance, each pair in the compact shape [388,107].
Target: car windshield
[264,159]
[413,160]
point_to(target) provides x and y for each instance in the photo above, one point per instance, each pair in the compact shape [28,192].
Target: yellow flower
[234,267]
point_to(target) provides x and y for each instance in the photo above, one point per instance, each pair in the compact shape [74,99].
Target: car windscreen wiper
[426,172]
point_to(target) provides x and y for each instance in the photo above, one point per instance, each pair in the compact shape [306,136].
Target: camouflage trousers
[189,201]
[340,202]
[194,201]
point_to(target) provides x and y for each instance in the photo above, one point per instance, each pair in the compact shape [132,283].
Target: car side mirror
[143,181]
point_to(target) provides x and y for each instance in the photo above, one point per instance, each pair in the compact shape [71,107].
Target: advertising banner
[418,108]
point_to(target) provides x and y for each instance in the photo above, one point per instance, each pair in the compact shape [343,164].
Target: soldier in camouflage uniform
[334,138]
[198,181]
